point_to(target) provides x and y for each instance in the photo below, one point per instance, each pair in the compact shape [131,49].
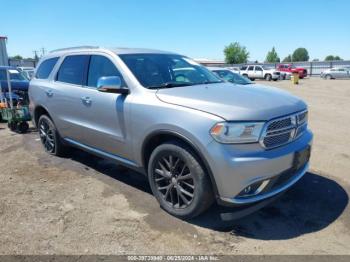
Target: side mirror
[111,84]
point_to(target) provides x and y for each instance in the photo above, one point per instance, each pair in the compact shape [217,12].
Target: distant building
[3,51]
[209,62]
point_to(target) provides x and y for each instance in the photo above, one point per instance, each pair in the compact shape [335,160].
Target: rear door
[65,97]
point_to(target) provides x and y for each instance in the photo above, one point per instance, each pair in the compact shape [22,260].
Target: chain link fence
[22,62]
[313,68]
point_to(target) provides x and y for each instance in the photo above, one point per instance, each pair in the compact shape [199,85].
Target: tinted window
[251,68]
[3,76]
[73,69]
[258,68]
[243,68]
[14,75]
[45,68]
[100,66]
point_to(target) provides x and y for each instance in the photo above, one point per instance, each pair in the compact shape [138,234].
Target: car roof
[8,67]
[116,50]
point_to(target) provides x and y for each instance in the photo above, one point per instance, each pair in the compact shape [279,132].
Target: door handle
[49,93]
[86,100]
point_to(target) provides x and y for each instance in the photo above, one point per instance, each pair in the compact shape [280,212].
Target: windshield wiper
[169,85]
[209,82]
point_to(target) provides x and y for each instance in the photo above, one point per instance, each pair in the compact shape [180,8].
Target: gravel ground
[86,205]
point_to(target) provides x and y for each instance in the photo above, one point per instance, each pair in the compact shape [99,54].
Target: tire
[268,77]
[22,127]
[328,77]
[180,160]
[50,138]
[12,126]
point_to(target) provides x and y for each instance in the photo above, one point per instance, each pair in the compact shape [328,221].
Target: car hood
[16,85]
[234,102]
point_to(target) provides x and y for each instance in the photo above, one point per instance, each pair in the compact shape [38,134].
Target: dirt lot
[85,205]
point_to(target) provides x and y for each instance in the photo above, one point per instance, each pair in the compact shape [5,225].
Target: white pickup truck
[259,72]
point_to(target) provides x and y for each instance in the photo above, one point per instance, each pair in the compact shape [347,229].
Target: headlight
[234,133]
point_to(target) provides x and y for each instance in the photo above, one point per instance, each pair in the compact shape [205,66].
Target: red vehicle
[292,69]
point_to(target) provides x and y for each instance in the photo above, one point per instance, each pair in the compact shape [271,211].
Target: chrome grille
[284,130]
[279,124]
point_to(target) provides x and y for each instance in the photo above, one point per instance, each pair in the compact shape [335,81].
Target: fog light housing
[254,188]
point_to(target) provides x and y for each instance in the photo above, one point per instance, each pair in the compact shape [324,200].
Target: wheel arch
[39,111]
[157,138]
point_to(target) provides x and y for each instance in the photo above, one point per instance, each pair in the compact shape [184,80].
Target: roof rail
[75,47]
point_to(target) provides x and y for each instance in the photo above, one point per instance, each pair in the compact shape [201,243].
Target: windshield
[167,70]
[232,77]
[14,75]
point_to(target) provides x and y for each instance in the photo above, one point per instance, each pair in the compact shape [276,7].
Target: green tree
[332,58]
[17,57]
[272,56]
[236,54]
[287,59]
[300,55]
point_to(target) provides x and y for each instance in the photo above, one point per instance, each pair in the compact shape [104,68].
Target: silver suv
[196,137]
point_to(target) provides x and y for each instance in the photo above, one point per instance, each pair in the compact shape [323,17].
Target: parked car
[230,76]
[234,69]
[259,72]
[336,73]
[195,137]
[6,97]
[19,83]
[290,68]
[27,71]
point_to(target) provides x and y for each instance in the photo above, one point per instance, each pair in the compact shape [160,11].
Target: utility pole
[43,51]
[36,57]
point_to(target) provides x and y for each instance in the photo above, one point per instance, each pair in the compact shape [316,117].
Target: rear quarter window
[45,68]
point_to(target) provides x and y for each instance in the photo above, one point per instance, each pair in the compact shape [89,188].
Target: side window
[243,68]
[3,76]
[45,68]
[73,69]
[250,68]
[258,68]
[101,66]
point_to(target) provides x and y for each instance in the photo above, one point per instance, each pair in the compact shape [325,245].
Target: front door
[104,114]
[258,73]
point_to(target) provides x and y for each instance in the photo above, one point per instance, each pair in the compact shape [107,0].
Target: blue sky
[197,28]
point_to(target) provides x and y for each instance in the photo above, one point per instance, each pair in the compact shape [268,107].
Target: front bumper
[262,196]
[276,76]
[236,167]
